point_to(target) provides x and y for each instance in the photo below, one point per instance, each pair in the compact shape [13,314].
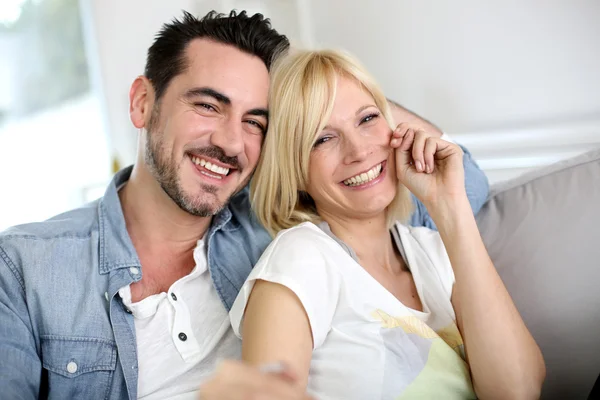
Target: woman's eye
[368,118]
[322,140]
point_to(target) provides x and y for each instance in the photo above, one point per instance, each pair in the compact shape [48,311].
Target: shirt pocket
[78,367]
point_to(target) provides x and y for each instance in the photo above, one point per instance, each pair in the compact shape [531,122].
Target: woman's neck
[370,239]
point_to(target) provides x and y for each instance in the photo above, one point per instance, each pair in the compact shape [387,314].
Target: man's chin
[205,205]
[206,200]
[203,210]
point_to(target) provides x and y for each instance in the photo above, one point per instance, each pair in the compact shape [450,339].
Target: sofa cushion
[542,230]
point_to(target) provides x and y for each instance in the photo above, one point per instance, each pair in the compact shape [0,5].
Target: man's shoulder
[72,225]
[243,219]
[240,202]
[76,223]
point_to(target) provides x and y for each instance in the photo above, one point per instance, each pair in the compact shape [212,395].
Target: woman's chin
[375,207]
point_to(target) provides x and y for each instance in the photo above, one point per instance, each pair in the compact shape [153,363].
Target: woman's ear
[141,101]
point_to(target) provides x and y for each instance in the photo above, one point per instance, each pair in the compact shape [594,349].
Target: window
[53,148]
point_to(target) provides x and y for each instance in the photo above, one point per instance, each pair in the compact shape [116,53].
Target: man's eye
[257,124]
[207,107]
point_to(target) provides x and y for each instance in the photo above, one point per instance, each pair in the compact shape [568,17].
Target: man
[127,297]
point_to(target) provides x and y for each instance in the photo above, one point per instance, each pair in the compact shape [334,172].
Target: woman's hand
[431,168]
[236,380]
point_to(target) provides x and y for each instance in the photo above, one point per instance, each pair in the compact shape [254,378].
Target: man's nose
[229,138]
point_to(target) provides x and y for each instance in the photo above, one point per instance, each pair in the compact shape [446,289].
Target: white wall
[481,65]
[118,36]
[483,71]
[501,76]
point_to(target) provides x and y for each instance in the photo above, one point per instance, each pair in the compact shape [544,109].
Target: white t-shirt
[367,344]
[181,335]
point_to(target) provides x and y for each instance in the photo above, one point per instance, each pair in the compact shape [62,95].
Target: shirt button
[182,337]
[134,270]
[127,310]
[173,296]
[72,367]
[106,295]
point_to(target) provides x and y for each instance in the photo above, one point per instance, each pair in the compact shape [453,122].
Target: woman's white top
[367,344]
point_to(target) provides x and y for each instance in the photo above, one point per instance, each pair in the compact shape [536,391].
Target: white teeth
[209,166]
[364,177]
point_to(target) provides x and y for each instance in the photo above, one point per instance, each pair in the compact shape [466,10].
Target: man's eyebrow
[259,112]
[206,91]
[222,98]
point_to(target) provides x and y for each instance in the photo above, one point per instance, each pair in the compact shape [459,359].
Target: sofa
[542,230]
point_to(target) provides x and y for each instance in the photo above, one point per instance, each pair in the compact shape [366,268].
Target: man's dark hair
[254,35]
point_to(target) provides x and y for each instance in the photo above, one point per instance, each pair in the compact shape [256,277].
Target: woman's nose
[356,148]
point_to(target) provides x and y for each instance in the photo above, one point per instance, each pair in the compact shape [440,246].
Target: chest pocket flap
[72,356]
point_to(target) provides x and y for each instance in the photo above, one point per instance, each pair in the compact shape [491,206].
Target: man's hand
[235,380]
[431,168]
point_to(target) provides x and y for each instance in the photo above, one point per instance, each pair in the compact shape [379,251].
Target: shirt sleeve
[21,367]
[300,259]
[447,138]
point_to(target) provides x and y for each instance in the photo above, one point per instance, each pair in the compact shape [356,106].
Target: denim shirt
[64,331]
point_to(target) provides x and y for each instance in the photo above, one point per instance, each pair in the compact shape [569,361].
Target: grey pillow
[542,231]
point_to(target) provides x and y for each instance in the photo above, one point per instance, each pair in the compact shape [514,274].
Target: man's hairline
[186,63]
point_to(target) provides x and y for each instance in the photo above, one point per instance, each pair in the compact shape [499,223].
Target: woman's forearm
[505,361]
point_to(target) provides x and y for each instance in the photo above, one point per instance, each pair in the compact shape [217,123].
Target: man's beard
[165,172]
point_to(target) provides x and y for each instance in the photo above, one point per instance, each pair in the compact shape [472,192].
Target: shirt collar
[116,249]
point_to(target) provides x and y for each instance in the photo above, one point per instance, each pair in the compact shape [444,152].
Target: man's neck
[164,236]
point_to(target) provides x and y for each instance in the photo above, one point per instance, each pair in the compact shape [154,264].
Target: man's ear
[141,101]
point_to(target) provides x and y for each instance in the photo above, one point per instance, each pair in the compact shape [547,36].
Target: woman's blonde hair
[301,98]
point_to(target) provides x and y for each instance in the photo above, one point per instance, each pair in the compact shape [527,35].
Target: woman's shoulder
[302,241]
[425,237]
[428,252]
[424,243]
[299,257]
[305,234]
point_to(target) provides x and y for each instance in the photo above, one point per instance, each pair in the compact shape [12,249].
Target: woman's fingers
[398,135]
[418,150]
[407,140]
[431,146]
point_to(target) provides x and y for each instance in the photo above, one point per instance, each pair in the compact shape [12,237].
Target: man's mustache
[217,153]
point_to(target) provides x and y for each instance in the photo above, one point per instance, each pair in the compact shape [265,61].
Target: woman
[359,305]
